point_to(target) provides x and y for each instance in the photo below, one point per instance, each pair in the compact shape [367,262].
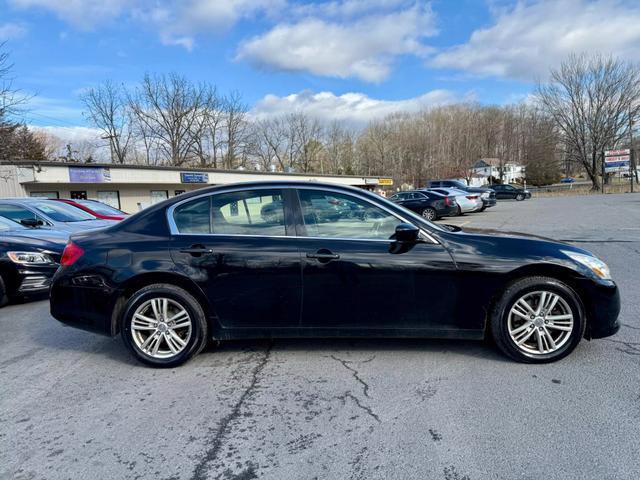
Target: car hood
[13,240]
[89,225]
[42,234]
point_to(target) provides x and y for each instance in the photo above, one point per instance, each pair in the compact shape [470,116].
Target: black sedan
[510,192]
[28,259]
[207,265]
[431,205]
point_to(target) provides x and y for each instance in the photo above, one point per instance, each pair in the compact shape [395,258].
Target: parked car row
[446,198]
[33,234]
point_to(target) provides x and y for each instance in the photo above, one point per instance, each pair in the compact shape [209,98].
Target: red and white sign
[617,153]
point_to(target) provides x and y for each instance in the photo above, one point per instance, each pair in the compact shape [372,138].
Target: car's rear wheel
[429,213]
[164,325]
[520,197]
[538,320]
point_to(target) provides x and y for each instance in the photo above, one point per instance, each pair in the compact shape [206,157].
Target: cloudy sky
[352,60]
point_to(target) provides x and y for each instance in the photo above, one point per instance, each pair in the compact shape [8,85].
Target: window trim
[290,195]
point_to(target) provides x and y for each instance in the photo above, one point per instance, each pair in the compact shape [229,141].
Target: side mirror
[406,232]
[31,222]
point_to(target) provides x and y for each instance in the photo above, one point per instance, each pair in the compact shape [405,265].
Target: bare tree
[107,109]
[591,99]
[10,98]
[235,127]
[167,107]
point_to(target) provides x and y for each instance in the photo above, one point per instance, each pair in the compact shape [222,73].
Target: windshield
[99,207]
[61,212]
[7,225]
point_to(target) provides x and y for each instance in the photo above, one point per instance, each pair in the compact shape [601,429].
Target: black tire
[500,312]
[4,298]
[520,197]
[429,213]
[484,207]
[199,329]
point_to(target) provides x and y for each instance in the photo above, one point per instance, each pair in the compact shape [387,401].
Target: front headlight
[594,264]
[485,195]
[30,258]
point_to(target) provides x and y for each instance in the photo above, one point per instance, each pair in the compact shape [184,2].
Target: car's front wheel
[4,297]
[538,320]
[163,325]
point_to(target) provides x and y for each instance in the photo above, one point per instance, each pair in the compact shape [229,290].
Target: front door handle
[323,255]
[197,251]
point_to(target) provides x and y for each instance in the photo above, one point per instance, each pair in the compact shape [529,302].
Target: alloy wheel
[161,328]
[429,214]
[540,322]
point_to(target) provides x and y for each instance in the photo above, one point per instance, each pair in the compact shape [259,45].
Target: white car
[468,202]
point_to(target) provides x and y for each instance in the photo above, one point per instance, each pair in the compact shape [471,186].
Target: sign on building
[617,160]
[89,174]
[194,177]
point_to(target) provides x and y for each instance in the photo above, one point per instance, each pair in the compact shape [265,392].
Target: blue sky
[350,59]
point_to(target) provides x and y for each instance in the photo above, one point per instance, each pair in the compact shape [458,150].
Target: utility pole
[632,160]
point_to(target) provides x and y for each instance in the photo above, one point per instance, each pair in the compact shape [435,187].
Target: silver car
[41,213]
[467,201]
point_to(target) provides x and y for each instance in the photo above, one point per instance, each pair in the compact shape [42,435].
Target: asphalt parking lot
[75,405]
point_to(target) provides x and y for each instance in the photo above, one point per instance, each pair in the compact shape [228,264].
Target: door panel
[235,246]
[369,287]
[365,279]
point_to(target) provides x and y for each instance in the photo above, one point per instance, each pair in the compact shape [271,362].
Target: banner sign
[194,177]
[89,174]
[386,182]
[617,160]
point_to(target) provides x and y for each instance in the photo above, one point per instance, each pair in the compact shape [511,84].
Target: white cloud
[84,14]
[364,48]
[10,31]
[71,134]
[356,109]
[528,39]
[179,22]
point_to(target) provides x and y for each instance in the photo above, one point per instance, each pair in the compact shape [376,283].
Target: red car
[95,208]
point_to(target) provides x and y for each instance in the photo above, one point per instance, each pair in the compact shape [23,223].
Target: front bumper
[34,279]
[602,302]
[489,202]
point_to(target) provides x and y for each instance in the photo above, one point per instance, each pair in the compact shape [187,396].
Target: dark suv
[488,195]
[431,205]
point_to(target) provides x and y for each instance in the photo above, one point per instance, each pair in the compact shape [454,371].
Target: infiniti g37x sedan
[211,264]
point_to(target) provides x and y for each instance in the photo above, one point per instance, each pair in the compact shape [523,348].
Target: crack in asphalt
[356,374]
[356,400]
[632,348]
[224,427]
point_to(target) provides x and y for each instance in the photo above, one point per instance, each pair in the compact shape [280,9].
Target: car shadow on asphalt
[469,348]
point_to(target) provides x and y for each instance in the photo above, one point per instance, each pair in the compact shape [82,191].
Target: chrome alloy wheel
[540,322]
[429,214]
[161,328]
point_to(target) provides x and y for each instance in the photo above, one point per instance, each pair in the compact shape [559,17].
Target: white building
[132,187]
[490,167]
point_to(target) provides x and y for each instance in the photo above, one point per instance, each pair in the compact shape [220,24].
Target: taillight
[472,197]
[447,201]
[71,254]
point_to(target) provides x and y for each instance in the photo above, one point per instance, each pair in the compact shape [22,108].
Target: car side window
[194,216]
[336,215]
[249,212]
[17,213]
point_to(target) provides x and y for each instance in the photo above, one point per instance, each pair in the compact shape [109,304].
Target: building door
[78,194]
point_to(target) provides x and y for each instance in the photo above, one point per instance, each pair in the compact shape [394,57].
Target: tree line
[589,104]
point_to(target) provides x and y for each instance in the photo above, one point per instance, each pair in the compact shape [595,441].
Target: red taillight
[71,254]
[472,197]
[447,201]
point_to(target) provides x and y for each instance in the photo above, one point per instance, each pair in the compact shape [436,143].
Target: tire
[178,300]
[4,298]
[504,324]
[520,197]
[429,213]
[484,207]
[460,212]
